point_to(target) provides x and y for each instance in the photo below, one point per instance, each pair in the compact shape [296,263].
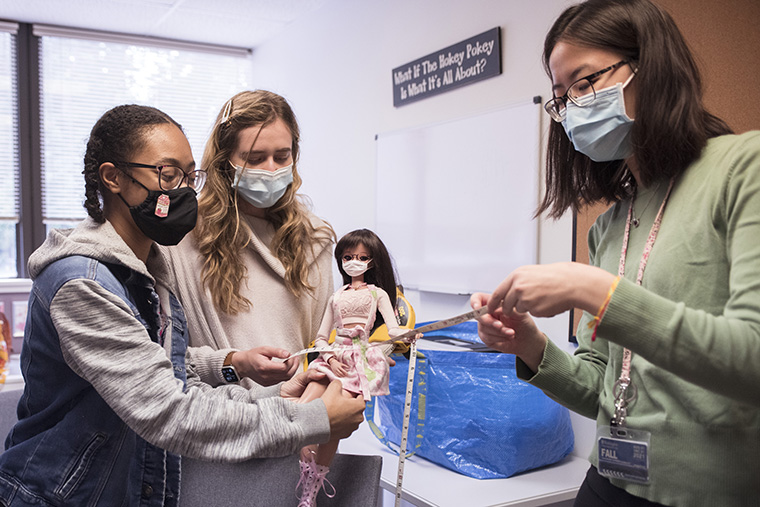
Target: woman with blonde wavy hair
[255,275]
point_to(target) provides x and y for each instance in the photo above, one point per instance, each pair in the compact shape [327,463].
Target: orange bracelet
[598,317]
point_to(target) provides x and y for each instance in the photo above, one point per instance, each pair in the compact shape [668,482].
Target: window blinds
[9,174]
[82,77]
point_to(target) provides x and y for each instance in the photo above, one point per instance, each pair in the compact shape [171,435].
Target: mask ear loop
[235,199]
[238,174]
[627,81]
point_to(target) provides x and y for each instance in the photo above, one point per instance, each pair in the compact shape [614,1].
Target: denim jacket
[69,447]
[100,387]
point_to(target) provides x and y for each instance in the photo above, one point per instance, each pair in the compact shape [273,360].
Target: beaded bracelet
[602,308]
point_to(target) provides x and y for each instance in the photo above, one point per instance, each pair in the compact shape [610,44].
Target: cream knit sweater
[276,317]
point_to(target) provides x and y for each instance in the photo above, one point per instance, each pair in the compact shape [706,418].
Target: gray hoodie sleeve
[105,344]
[208,362]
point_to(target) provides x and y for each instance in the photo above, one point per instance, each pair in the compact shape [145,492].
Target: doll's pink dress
[352,313]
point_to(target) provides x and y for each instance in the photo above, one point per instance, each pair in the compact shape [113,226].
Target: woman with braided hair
[109,402]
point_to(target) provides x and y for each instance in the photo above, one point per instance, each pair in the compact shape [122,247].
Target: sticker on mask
[623,453]
[162,206]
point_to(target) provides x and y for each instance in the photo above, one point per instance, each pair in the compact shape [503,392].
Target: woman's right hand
[515,333]
[257,364]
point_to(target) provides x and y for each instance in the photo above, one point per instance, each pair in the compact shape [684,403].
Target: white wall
[335,69]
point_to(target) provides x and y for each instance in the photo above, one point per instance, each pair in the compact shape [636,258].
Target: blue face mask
[601,130]
[262,188]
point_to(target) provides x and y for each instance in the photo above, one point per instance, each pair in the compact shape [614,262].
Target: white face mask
[262,188]
[355,267]
[601,130]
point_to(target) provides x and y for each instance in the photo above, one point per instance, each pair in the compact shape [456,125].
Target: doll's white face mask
[262,188]
[355,267]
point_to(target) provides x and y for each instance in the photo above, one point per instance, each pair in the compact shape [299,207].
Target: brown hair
[381,272]
[220,234]
[671,126]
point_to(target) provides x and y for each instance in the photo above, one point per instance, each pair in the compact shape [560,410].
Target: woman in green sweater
[669,342]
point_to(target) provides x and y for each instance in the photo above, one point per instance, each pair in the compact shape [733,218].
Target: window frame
[31,230]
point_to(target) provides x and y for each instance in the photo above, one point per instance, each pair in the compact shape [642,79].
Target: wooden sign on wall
[463,63]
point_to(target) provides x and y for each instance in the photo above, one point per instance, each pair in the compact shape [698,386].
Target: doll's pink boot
[311,481]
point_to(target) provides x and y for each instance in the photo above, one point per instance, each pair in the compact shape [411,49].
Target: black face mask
[165,216]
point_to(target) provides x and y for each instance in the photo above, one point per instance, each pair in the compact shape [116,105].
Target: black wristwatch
[228,371]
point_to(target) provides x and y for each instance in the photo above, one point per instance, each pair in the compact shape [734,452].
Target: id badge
[623,453]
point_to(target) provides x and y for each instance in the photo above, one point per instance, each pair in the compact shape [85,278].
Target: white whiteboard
[455,200]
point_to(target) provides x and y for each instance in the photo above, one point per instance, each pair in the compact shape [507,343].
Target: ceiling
[241,23]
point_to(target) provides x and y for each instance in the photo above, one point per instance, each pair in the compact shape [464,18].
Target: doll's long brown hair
[222,235]
[381,273]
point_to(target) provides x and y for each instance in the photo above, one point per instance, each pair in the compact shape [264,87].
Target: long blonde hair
[220,236]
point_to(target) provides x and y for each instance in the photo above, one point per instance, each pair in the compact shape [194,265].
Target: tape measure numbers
[410,386]
[408,336]
[405,424]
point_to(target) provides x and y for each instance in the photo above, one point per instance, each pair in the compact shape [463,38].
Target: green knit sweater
[693,327]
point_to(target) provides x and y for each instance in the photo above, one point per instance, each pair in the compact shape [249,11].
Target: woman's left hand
[513,334]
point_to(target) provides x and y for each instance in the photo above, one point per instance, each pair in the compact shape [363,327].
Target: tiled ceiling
[242,23]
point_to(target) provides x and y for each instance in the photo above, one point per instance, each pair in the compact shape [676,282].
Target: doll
[370,288]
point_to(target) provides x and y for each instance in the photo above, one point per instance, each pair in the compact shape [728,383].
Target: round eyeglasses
[363,258]
[172,177]
[581,93]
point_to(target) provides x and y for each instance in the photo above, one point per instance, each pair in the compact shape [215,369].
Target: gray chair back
[272,482]
[8,404]
[266,482]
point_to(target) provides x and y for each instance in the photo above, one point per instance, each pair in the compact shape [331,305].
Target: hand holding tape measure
[410,384]
[407,337]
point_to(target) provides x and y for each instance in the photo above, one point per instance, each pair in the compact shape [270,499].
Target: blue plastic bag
[474,416]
